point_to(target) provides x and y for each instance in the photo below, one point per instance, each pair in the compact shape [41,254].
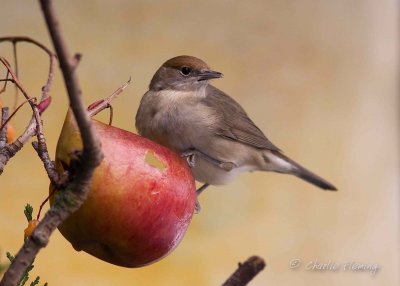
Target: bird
[184,112]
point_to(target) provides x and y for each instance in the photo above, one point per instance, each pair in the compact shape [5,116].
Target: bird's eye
[185,71]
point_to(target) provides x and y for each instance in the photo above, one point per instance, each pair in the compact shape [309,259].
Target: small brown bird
[184,112]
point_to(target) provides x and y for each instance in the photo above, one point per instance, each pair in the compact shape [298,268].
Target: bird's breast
[175,119]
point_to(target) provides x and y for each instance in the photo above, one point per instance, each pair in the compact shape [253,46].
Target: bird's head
[183,73]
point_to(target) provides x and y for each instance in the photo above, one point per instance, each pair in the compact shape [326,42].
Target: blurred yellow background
[320,78]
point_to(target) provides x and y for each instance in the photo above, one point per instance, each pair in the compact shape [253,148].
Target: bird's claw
[227,166]
[190,158]
[197,207]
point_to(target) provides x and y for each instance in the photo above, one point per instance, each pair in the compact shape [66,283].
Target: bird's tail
[280,163]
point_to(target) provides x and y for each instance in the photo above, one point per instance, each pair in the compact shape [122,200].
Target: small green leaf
[24,279]
[35,282]
[29,268]
[9,256]
[28,212]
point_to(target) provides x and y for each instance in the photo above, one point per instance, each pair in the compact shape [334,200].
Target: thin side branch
[15,79]
[98,106]
[35,126]
[52,58]
[246,272]
[8,151]
[16,39]
[16,72]
[5,80]
[15,112]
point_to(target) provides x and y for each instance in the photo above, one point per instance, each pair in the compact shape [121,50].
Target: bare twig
[15,39]
[9,151]
[3,89]
[76,190]
[52,58]
[5,80]
[15,112]
[15,78]
[3,129]
[98,106]
[246,272]
[16,72]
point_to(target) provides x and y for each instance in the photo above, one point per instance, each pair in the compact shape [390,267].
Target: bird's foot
[191,155]
[227,166]
[201,189]
[197,207]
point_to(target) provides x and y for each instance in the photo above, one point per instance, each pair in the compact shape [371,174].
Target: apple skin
[135,213]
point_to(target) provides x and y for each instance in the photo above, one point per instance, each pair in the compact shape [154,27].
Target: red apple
[141,200]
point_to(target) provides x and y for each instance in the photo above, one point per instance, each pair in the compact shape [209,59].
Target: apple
[141,200]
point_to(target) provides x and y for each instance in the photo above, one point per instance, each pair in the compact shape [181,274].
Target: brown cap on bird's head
[189,61]
[182,73]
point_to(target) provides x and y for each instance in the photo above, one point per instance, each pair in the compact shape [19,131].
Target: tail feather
[302,173]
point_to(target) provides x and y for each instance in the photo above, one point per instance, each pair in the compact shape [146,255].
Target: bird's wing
[234,124]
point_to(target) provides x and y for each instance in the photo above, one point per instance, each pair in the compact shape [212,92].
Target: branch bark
[75,192]
[246,272]
[3,131]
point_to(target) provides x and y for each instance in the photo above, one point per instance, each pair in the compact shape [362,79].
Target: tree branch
[246,272]
[35,126]
[10,150]
[67,65]
[74,194]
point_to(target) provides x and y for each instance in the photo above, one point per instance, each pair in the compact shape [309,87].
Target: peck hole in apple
[153,161]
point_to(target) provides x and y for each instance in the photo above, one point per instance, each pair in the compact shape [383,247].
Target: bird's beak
[208,74]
